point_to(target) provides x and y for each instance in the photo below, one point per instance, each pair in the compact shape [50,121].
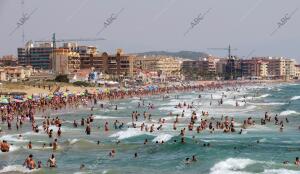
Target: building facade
[15,73]
[9,60]
[36,56]
[65,61]
[254,68]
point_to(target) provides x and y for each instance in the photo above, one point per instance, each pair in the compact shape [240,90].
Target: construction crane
[54,40]
[229,49]
[231,63]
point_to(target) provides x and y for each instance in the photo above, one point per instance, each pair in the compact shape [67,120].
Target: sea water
[228,153]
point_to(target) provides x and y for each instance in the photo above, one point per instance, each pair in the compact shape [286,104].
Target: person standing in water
[88,129]
[29,162]
[297,162]
[54,145]
[4,146]
[51,161]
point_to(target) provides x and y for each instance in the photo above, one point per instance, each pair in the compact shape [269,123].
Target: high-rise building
[36,56]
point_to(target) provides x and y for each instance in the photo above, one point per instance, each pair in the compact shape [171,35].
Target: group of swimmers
[30,162]
[23,112]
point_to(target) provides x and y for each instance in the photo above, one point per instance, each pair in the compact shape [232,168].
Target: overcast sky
[153,25]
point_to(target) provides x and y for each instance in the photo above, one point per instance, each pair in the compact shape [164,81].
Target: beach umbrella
[18,100]
[4,101]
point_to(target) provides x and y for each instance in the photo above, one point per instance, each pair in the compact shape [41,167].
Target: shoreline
[6,88]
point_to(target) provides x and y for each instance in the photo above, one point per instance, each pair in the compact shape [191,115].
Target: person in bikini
[51,161]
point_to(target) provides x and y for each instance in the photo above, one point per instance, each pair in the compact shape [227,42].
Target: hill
[183,54]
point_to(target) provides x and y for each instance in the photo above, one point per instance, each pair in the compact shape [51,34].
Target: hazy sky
[146,25]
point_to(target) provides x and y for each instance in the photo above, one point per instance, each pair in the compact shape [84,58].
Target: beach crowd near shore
[21,110]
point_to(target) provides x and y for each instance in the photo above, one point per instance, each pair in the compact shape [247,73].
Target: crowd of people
[20,113]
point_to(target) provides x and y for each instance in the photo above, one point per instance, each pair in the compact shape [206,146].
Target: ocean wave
[162,137]
[130,132]
[16,168]
[295,98]
[250,107]
[169,118]
[233,103]
[75,141]
[231,165]
[13,138]
[268,104]
[280,171]
[100,117]
[288,112]
[263,96]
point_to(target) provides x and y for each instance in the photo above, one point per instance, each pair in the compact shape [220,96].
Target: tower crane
[231,63]
[54,40]
[229,49]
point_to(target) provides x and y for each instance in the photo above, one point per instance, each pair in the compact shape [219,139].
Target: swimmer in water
[4,146]
[54,145]
[297,162]
[29,145]
[51,161]
[82,166]
[194,158]
[29,162]
[187,161]
[39,164]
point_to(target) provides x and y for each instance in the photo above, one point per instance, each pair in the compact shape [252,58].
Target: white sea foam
[101,117]
[162,137]
[130,132]
[295,98]
[16,168]
[288,112]
[280,171]
[268,104]
[13,138]
[231,165]
[73,141]
[251,107]
[263,96]
[233,102]
[169,118]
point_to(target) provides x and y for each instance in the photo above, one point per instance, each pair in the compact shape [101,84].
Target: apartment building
[254,68]
[65,61]
[37,56]
[163,65]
